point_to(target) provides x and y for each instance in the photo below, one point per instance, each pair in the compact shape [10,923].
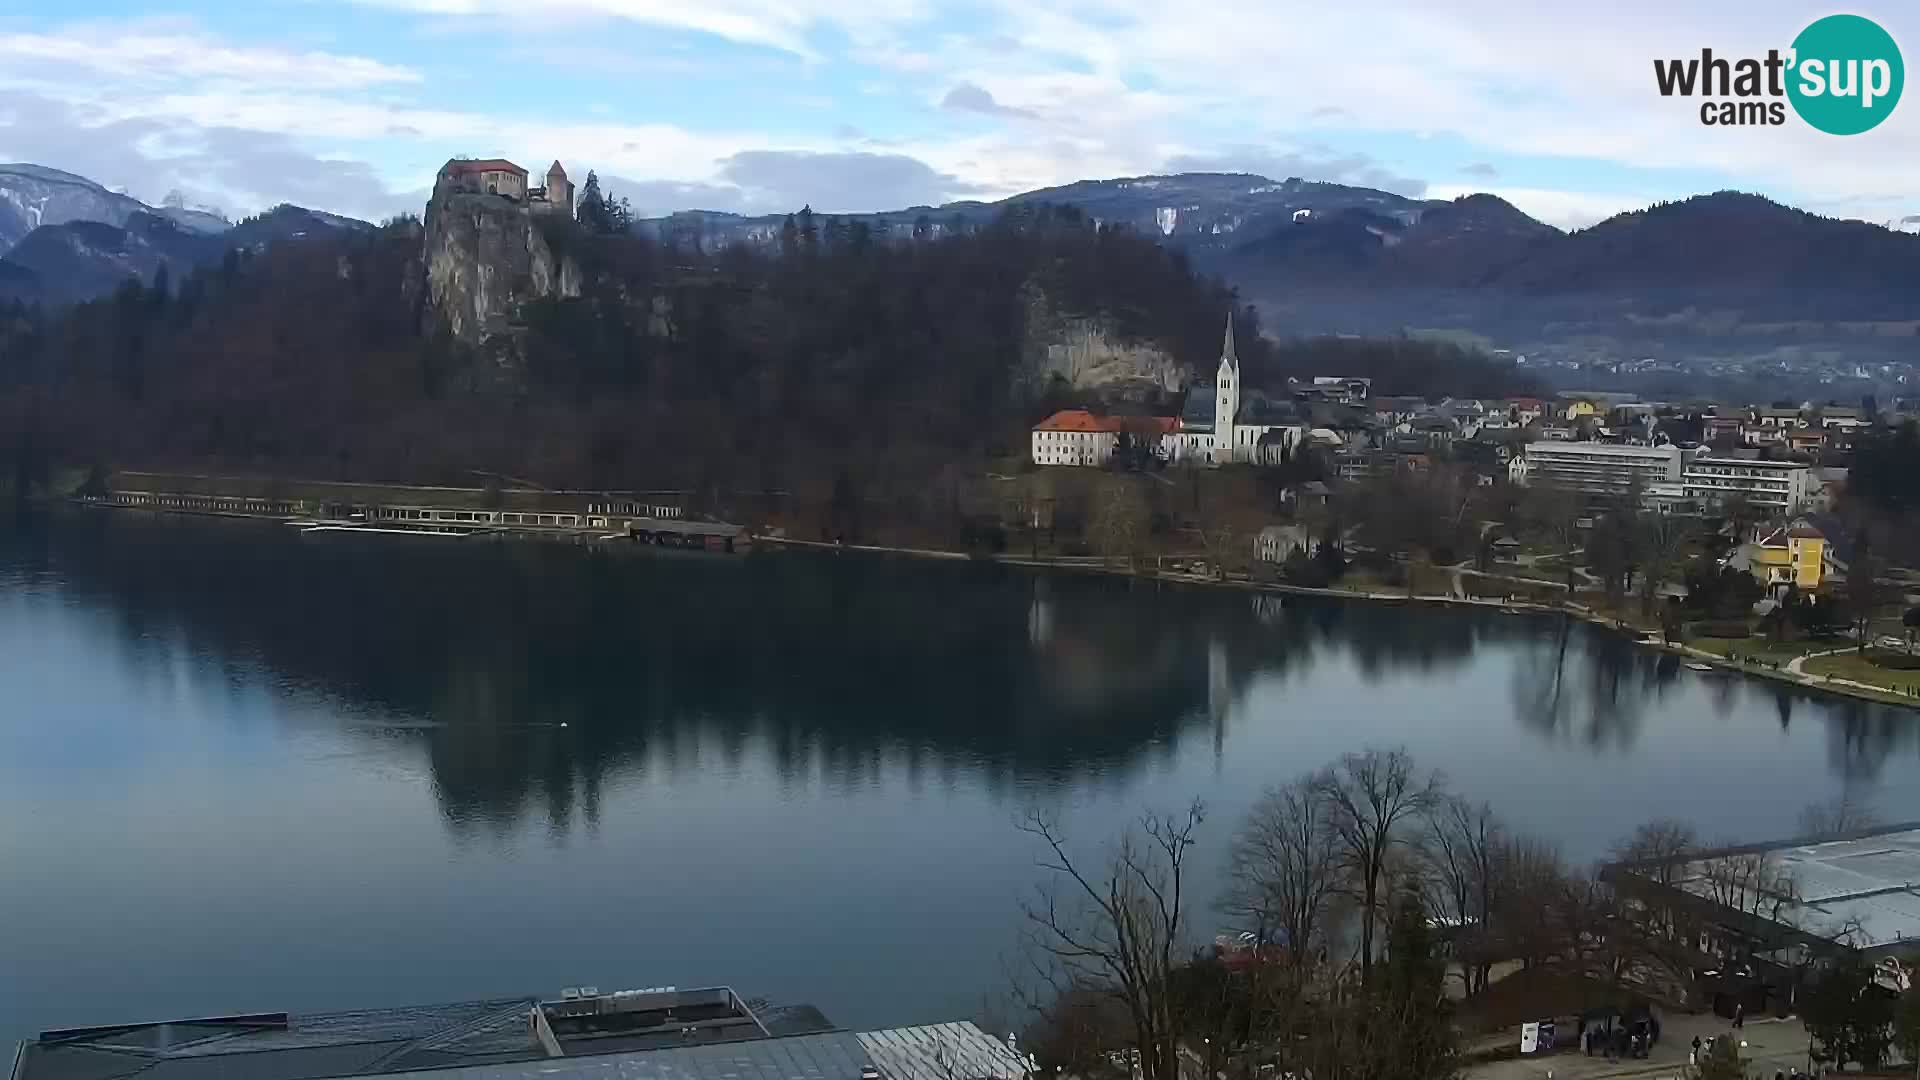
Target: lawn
[1761,648]
[1871,668]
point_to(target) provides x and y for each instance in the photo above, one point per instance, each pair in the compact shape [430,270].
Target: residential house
[1779,556]
[1778,417]
[1277,543]
[1807,440]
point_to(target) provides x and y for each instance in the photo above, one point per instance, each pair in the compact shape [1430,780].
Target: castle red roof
[471,165]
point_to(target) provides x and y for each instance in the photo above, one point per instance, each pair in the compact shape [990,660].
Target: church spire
[1227,356]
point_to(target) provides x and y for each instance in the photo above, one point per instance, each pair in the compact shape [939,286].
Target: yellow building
[1780,556]
[1580,407]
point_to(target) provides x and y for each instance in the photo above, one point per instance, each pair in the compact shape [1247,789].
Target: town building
[1794,555]
[1080,437]
[1782,417]
[655,1034]
[1277,543]
[1781,486]
[1602,468]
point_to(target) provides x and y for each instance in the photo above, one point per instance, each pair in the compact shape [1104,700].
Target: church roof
[1226,348]
[557,170]
[1197,415]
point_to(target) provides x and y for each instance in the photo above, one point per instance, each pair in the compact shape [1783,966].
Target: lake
[242,769]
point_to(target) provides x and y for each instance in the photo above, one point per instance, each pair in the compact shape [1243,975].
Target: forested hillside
[838,357]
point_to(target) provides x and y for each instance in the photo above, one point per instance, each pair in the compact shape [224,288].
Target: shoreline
[1787,673]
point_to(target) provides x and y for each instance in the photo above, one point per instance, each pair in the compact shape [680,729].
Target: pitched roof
[1226,347]
[1083,420]
[1075,420]
[556,169]
[472,165]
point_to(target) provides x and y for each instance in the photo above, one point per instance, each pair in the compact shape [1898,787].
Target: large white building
[1786,486]
[1602,468]
[1079,437]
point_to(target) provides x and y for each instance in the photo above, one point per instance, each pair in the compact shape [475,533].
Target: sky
[850,105]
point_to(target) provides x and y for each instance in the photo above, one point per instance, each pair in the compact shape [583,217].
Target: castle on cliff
[498,176]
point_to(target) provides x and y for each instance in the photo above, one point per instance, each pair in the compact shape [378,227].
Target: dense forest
[837,360]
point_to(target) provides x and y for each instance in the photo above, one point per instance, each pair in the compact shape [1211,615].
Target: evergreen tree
[1849,1016]
[1412,1007]
[591,210]
[809,234]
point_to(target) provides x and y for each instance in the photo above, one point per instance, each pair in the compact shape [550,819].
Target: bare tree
[1663,544]
[1756,885]
[1532,883]
[1285,867]
[1462,849]
[1661,848]
[1848,811]
[1119,522]
[1372,799]
[1117,929]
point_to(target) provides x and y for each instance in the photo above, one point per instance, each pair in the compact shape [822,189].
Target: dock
[589,522]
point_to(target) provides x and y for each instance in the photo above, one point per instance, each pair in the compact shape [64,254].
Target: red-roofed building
[1079,437]
[493,176]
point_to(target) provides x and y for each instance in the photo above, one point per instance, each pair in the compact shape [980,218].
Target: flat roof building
[1602,468]
[1785,486]
[1779,906]
[634,1035]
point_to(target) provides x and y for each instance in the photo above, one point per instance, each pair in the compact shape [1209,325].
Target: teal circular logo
[1846,74]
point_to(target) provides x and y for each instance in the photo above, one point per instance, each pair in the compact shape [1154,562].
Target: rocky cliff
[1087,353]
[485,256]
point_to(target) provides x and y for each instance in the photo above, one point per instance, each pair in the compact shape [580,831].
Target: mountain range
[1317,257]
[1301,236]
[64,237]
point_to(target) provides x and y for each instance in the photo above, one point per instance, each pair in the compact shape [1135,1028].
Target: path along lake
[242,769]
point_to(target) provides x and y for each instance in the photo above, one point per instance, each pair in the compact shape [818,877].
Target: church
[1223,423]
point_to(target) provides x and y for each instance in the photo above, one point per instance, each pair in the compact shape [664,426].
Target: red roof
[471,165]
[1082,420]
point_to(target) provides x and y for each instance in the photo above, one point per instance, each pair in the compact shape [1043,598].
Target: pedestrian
[1693,1058]
[1740,1015]
[1696,1047]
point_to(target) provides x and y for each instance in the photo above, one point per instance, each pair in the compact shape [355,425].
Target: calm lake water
[245,770]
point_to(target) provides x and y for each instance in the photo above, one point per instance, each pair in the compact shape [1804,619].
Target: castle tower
[1226,401]
[560,189]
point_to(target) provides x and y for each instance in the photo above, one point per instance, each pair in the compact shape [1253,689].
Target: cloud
[785,26]
[756,182]
[172,57]
[239,170]
[971,97]
[1480,170]
[1358,170]
[839,182]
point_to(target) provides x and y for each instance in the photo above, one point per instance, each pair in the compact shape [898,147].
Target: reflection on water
[731,766]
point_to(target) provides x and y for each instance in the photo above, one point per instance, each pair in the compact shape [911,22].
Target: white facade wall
[1786,486]
[1073,447]
[1602,467]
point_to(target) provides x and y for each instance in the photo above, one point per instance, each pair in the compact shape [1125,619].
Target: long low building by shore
[656,1034]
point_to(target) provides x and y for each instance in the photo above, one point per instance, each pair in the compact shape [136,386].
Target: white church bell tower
[1226,401]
